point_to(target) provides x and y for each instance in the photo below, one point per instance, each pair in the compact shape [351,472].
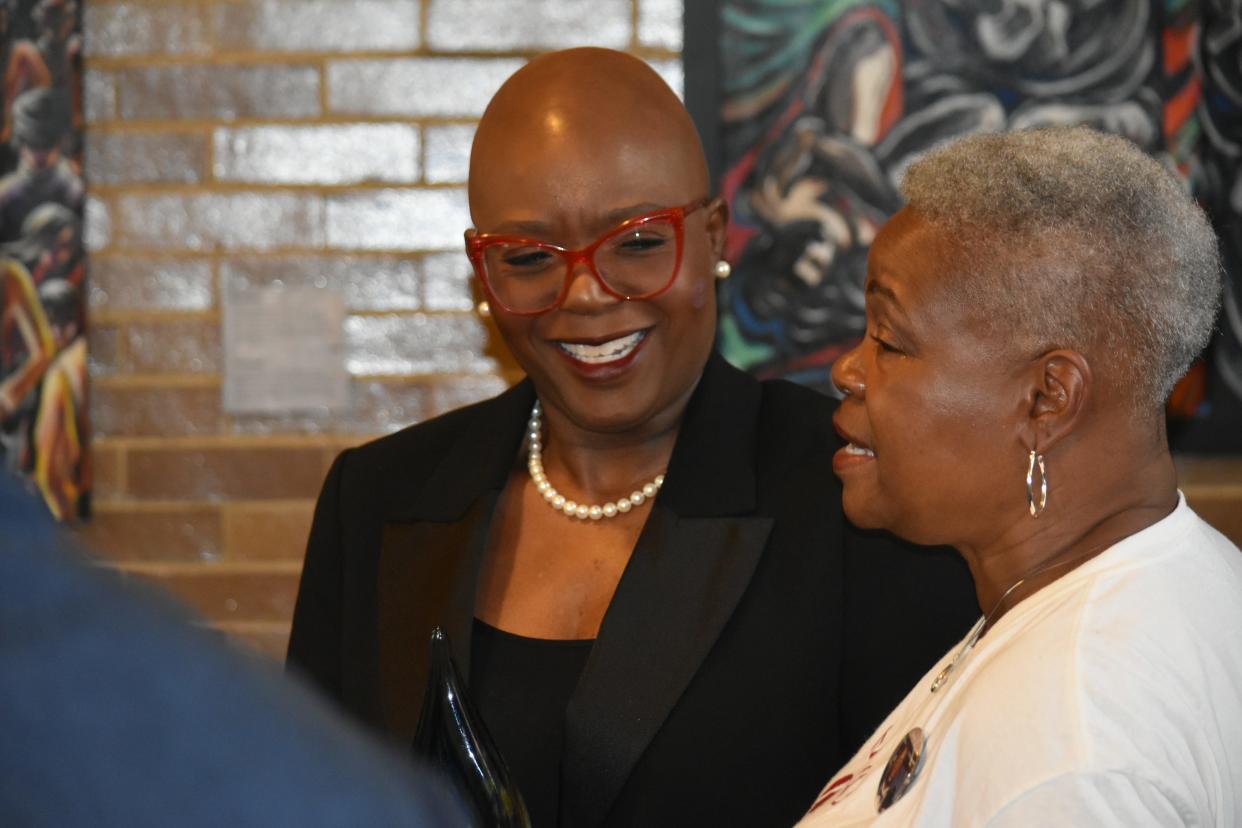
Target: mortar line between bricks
[206,569]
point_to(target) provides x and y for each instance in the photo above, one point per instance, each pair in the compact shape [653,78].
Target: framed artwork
[43,372]
[811,111]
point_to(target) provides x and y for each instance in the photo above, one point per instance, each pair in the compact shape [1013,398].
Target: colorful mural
[824,104]
[43,371]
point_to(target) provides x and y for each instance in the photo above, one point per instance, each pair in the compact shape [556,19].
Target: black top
[521,687]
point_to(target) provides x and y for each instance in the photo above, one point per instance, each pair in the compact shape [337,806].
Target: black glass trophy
[451,736]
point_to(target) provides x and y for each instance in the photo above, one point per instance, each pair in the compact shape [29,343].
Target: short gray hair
[1078,239]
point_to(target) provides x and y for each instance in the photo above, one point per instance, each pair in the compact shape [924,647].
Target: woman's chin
[862,511]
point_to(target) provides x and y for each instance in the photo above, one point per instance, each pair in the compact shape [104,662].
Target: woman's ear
[1061,383]
[717,226]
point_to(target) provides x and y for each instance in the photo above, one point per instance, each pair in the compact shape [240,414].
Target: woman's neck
[1086,515]
[601,465]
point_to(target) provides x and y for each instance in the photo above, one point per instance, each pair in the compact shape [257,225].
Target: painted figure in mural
[1031,309]
[60,46]
[705,643]
[61,462]
[818,156]
[27,346]
[43,423]
[21,69]
[826,104]
[43,354]
[43,174]
[50,246]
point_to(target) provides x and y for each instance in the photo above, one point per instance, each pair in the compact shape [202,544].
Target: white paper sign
[284,350]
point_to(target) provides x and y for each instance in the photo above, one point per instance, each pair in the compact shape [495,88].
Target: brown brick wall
[324,142]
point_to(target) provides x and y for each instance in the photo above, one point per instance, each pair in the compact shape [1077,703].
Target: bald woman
[638,550]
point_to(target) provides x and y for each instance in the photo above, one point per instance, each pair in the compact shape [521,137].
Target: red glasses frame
[477,244]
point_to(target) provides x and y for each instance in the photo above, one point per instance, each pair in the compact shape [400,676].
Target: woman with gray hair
[1028,313]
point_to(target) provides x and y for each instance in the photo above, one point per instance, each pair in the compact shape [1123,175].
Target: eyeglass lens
[633,262]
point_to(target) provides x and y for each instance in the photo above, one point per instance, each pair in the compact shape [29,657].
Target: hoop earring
[1036,507]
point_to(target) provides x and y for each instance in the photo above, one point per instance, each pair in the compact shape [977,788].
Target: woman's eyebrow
[620,215]
[878,288]
[521,228]
[536,228]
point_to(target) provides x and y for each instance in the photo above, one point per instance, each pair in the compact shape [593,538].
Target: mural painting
[43,369]
[824,104]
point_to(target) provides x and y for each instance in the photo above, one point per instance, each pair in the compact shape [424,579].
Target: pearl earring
[723,269]
[483,309]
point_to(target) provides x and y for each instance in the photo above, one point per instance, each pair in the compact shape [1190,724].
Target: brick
[98,221]
[416,344]
[210,221]
[462,391]
[106,470]
[319,25]
[213,92]
[447,153]
[367,282]
[267,532]
[252,472]
[172,535]
[455,25]
[223,596]
[449,87]
[154,411]
[179,346]
[448,282]
[103,349]
[145,157]
[660,23]
[161,282]
[382,407]
[98,95]
[376,407]
[120,29]
[673,74]
[398,220]
[347,154]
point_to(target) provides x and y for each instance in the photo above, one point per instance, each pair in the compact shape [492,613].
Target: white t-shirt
[1113,696]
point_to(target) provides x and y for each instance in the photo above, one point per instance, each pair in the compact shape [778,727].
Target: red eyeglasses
[637,259]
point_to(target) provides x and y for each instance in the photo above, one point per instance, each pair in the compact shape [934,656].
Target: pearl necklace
[534,464]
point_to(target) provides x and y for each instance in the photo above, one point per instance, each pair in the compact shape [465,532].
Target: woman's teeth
[609,351]
[850,448]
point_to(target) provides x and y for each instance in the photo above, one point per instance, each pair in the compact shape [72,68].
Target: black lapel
[432,548]
[415,558]
[485,440]
[689,569]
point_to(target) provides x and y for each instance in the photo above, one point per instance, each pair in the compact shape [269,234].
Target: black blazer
[753,642]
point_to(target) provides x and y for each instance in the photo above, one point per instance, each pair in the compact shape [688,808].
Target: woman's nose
[847,373]
[585,293]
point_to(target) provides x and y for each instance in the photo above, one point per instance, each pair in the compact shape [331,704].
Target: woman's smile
[605,360]
[853,454]
[611,349]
